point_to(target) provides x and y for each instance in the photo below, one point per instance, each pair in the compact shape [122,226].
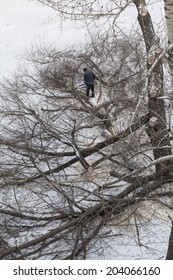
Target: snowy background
[24,23]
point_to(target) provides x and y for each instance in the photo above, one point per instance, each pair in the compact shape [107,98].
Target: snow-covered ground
[24,23]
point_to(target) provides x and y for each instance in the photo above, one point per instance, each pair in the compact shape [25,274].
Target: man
[89,78]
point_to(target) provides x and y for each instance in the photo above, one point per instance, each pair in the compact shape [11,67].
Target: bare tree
[65,187]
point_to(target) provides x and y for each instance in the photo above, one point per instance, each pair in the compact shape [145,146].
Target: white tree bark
[169,23]
[169,18]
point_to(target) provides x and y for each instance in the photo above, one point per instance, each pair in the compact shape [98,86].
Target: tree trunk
[169,255]
[169,23]
[157,126]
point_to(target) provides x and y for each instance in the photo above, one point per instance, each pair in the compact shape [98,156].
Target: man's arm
[94,76]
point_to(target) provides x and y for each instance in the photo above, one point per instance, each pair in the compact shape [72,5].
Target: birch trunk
[157,126]
[169,22]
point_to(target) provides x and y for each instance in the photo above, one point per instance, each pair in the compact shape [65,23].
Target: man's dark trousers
[88,88]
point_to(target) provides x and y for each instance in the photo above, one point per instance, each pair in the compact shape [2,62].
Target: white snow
[24,23]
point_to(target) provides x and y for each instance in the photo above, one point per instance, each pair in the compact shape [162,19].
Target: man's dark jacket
[89,77]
